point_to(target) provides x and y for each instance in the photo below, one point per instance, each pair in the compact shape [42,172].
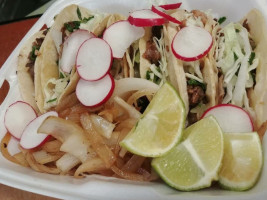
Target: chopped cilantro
[71,26]
[32,54]
[237,30]
[235,57]
[221,20]
[79,13]
[251,58]
[51,100]
[194,82]
[85,20]
[57,62]
[156,79]
[61,75]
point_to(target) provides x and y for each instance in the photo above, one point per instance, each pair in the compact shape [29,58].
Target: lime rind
[244,184]
[160,127]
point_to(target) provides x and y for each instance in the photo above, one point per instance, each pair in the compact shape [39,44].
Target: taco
[195,81]
[26,68]
[52,84]
[241,61]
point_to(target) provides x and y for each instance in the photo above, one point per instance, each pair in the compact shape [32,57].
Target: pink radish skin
[160,12]
[17,116]
[70,48]
[121,35]
[171,6]
[231,118]
[191,43]
[145,17]
[30,137]
[95,93]
[94,59]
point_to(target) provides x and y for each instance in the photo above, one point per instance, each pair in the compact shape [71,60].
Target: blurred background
[11,10]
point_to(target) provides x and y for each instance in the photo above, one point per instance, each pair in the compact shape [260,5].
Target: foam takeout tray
[99,187]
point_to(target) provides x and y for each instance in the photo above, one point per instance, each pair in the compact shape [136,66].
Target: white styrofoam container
[98,187]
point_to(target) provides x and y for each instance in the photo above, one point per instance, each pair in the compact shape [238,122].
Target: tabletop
[10,35]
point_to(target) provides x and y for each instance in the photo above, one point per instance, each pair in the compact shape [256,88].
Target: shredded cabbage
[233,58]
[54,88]
[161,71]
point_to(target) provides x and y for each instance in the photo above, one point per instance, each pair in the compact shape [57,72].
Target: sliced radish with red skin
[121,35]
[231,118]
[191,43]
[160,11]
[95,93]
[30,137]
[70,48]
[94,59]
[146,17]
[17,116]
[171,6]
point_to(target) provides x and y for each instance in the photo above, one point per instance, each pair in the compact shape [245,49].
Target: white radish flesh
[160,11]
[191,43]
[145,17]
[94,59]
[30,137]
[121,35]
[17,117]
[95,93]
[231,118]
[70,48]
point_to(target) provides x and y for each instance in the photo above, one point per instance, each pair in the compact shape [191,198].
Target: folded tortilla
[204,71]
[258,95]
[50,86]
[26,69]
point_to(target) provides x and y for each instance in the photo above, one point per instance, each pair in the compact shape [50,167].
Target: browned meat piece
[195,95]
[203,16]
[152,54]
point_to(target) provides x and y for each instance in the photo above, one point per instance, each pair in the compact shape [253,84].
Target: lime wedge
[160,127]
[194,163]
[242,161]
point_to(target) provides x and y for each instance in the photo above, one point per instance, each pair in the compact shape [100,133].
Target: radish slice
[30,137]
[94,59]
[171,6]
[95,93]
[70,48]
[160,11]
[145,17]
[121,35]
[231,118]
[17,116]
[191,43]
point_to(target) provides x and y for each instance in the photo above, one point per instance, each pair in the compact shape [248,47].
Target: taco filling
[237,62]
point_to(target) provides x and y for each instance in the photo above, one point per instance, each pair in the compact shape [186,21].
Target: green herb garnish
[61,75]
[71,26]
[235,57]
[85,20]
[194,82]
[79,13]
[32,55]
[221,20]
[251,58]
[51,100]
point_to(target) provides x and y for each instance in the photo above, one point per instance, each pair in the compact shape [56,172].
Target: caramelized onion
[97,142]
